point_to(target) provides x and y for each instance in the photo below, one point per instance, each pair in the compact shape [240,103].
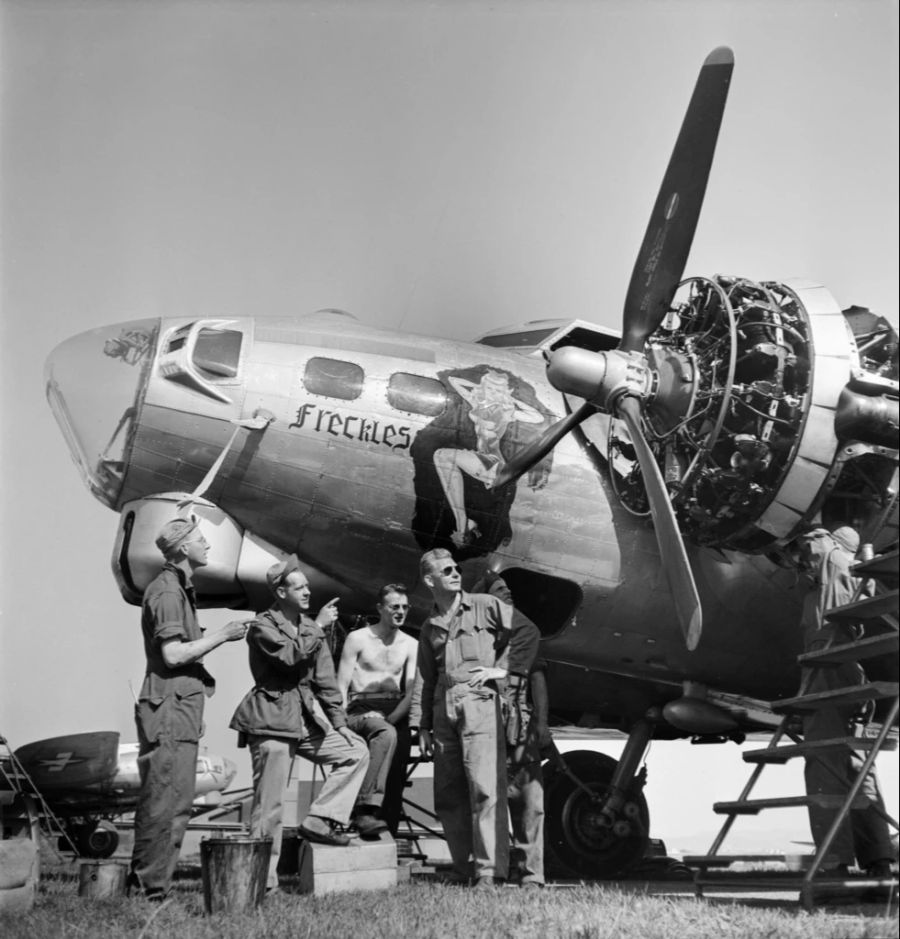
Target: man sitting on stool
[376,677]
[285,714]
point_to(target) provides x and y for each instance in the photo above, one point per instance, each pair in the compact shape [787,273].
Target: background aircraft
[738,411]
[90,779]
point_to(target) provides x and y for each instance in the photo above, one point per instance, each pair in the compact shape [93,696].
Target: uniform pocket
[154,718]
[470,647]
[187,716]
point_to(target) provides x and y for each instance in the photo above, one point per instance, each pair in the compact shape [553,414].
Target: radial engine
[769,405]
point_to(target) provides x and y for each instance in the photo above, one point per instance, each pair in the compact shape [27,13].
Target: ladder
[880,613]
[41,817]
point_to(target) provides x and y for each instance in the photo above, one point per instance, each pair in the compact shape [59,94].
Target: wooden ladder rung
[885,566]
[869,691]
[783,754]
[754,806]
[870,647]
[883,604]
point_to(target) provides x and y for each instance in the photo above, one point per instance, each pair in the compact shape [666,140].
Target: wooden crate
[362,865]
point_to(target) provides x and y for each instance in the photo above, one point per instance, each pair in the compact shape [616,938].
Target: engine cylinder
[765,412]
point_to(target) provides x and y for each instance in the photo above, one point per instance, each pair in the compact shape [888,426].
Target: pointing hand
[328,614]
[236,629]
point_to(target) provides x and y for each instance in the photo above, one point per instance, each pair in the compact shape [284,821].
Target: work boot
[880,869]
[369,825]
[323,831]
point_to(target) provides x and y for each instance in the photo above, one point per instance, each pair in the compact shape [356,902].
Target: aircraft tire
[99,842]
[575,845]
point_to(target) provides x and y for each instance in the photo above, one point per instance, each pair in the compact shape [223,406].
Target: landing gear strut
[597,824]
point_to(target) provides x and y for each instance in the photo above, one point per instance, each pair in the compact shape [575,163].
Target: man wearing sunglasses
[467,650]
[376,677]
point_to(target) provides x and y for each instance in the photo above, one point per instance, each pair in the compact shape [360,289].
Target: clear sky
[437,167]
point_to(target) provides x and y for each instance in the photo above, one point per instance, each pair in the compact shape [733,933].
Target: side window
[416,394]
[334,378]
[217,353]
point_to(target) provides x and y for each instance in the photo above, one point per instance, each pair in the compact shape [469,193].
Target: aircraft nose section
[94,383]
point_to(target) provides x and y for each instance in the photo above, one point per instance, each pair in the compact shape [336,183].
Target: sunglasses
[448,570]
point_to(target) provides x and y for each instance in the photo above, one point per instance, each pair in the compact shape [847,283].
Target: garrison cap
[847,537]
[277,574]
[174,532]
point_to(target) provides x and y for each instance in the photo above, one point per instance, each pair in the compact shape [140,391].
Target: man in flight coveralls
[467,648]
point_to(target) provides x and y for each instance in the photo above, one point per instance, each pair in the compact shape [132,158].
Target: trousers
[470,779]
[167,770]
[385,780]
[525,794]
[272,757]
[864,833]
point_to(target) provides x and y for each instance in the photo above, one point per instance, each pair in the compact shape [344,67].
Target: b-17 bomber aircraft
[640,491]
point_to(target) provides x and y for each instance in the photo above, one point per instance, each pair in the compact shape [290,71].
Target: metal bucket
[101,879]
[289,858]
[234,873]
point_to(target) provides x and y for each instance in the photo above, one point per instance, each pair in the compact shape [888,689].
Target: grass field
[433,911]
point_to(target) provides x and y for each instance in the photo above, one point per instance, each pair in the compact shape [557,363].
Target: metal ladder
[883,607]
[40,816]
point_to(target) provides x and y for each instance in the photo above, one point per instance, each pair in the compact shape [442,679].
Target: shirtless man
[376,677]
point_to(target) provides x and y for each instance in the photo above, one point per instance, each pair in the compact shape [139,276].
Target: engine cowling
[765,411]
[235,574]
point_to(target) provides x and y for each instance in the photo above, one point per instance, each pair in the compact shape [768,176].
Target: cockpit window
[203,356]
[334,378]
[416,394]
[217,353]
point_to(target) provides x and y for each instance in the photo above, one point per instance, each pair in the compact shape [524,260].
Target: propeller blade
[671,546]
[539,448]
[667,242]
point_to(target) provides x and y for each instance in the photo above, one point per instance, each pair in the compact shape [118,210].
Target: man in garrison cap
[169,709]
[295,708]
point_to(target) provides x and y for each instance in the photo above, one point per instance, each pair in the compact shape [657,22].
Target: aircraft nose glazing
[94,384]
[230,772]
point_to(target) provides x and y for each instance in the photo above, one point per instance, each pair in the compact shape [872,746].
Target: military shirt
[832,581]
[479,632]
[170,702]
[292,669]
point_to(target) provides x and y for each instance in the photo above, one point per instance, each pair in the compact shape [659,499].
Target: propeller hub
[601,378]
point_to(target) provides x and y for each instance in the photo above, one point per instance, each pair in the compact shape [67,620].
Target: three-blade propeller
[657,272]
